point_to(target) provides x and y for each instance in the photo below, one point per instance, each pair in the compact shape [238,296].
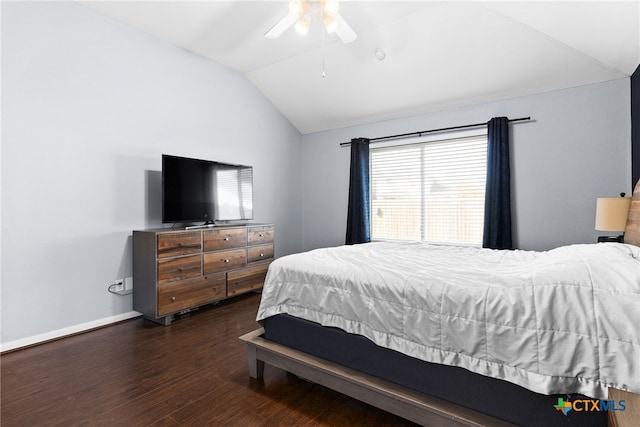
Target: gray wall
[88,106]
[577,148]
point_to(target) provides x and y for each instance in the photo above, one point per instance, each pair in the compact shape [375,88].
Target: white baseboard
[71,330]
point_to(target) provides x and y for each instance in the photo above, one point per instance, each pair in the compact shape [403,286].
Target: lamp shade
[611,213]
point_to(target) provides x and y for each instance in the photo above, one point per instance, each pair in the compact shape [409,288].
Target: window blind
[430,191]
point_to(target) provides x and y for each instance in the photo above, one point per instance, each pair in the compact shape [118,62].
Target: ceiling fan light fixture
[297,7]
[330,23]
[303,24]
[330,7]
[300,14]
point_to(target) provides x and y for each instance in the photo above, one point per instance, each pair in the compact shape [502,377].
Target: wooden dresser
[175,270]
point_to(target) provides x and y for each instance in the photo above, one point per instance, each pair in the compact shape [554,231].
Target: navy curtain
[497,203]
[358,216]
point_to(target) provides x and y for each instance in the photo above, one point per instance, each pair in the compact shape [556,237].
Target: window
[430,190]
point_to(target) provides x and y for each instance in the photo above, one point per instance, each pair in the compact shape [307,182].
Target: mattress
[555,322]
[490,396]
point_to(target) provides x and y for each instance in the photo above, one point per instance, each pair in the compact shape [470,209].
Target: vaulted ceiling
[438,54]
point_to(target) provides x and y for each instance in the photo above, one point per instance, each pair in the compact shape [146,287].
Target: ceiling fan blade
[344,31]
[282,26]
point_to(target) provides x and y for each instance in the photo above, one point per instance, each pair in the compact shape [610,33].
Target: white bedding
[561,321]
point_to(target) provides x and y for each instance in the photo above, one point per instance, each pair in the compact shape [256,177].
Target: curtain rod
[405,135]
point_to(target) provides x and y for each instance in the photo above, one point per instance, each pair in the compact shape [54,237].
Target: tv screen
[202,190]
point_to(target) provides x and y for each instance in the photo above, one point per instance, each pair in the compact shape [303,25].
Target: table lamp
[611,215]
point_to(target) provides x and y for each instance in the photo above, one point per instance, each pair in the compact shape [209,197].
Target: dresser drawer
[177,244]
[180,268]
[259,235]
[191,293]
[259,253]
[224,260]
[246,280]
[225,238]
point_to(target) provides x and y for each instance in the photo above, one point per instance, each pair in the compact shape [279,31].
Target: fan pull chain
[323,71]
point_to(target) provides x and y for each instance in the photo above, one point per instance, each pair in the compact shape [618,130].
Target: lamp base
[614,239]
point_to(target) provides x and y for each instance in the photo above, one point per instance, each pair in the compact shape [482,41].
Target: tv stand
[179,269]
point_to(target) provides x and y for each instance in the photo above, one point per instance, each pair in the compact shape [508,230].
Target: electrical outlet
[128,283]
[118,285]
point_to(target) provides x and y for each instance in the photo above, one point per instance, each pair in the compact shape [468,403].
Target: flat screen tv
[201,190]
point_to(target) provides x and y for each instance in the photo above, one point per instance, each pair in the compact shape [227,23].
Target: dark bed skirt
[491,396]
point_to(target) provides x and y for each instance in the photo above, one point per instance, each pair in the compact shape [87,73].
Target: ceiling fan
[301,12]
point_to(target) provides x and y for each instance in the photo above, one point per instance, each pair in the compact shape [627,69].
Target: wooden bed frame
[404,402]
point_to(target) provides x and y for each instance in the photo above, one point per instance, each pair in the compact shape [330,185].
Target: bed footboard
[412,405]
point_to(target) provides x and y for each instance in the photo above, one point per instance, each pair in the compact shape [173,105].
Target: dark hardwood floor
[193,372]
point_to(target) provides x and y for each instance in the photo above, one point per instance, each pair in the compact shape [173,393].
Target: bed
[446,335]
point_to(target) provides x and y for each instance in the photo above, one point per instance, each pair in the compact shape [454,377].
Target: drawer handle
[226,260]
[226,239]
[261,254]
[173,299]
[260,235]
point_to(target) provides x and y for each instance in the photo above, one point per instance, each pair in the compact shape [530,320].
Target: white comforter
[561,321]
